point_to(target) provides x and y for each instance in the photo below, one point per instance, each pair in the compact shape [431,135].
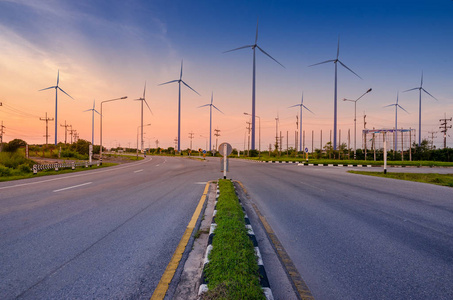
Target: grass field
[432,178]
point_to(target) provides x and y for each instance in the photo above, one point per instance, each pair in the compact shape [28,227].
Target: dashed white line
[72,187]
[141,170]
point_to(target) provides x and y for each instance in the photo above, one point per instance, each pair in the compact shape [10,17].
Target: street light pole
[355,119]
[100,151]
[259,132]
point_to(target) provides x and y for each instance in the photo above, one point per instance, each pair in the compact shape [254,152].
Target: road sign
[306,150]
[227,151]
[204,151]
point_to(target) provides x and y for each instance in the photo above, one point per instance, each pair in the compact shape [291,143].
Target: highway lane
[105,234]
[357,237]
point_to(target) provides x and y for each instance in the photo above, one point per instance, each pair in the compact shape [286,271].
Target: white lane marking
[77,175]
[72,187]
[201,183]
[312,186]
[141,170]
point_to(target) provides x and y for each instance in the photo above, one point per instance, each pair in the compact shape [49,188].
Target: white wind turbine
[93,110]
[210,118]
[142,99]
[254,46]
[335,61]
[420,88]
[179,81]
[301,105]
[396,121]
[56,87]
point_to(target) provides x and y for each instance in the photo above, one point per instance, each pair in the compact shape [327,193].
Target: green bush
[5,171]
[24,168]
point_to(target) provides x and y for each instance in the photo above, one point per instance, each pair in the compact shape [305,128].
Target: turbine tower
[254,46]
[56,87]
[335,61]
[93,110]
[142,99]
[210,118]
[179,81]
[396,121]
[420,88]
[300,125]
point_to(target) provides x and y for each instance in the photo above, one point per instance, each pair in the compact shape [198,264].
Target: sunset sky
[109,49]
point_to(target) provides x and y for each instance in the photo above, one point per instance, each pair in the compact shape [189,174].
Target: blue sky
[108,49]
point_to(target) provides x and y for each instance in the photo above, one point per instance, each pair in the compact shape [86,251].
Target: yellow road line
[294,276]
[162,287]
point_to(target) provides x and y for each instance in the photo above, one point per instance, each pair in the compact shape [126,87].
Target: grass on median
[232,271]
[433,178]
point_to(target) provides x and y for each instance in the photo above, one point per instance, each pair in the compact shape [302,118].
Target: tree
[13,145]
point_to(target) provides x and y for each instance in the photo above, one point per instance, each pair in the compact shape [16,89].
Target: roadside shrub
[5,171]
[24,168]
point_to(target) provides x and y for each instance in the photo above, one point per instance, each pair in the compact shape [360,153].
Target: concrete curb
[263,277]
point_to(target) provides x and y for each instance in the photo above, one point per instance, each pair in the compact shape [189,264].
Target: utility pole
[320,144]
[364,138]
[444,127]
[281,142]
[65,130]
[287,144]
[312,140]
[191,137]
[216,134]
[71,132]
[176,143]
[47,127]
[433,137]
[157,144]
[248,143]
[1,134]
[295,137]
[276,133]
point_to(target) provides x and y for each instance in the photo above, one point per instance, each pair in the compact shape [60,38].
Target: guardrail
[58,166]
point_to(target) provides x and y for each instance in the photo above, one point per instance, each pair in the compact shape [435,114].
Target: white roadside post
[225,149]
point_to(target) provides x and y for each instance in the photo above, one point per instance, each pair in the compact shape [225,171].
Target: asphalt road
[100,234]
[357,237]
[110,233]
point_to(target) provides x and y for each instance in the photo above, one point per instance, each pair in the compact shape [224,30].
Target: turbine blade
[204,105]
[190,87]
[88,110]
[217,108]
[256,37]
[148,107]
[180,75]
[52,87]
[389,105]
[58,77]
[212,97]
[246,46]
[349,69]
[144,90]
[64,92]
[323,62]
[402,108]
[270,56]
[307,109]
[294,105]
[421,82]
[411,89]
[429,94]
[169,82]
[338,47]
[96,112]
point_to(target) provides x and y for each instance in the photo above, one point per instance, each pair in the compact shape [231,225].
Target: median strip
[233,266]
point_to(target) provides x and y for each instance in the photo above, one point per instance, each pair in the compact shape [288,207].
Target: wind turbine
[142,99]
[179,103]
[300,125]
[92,121]
[396,121]
[56,87]
[254,46]
[210,117]
[335,61]
[420,88]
